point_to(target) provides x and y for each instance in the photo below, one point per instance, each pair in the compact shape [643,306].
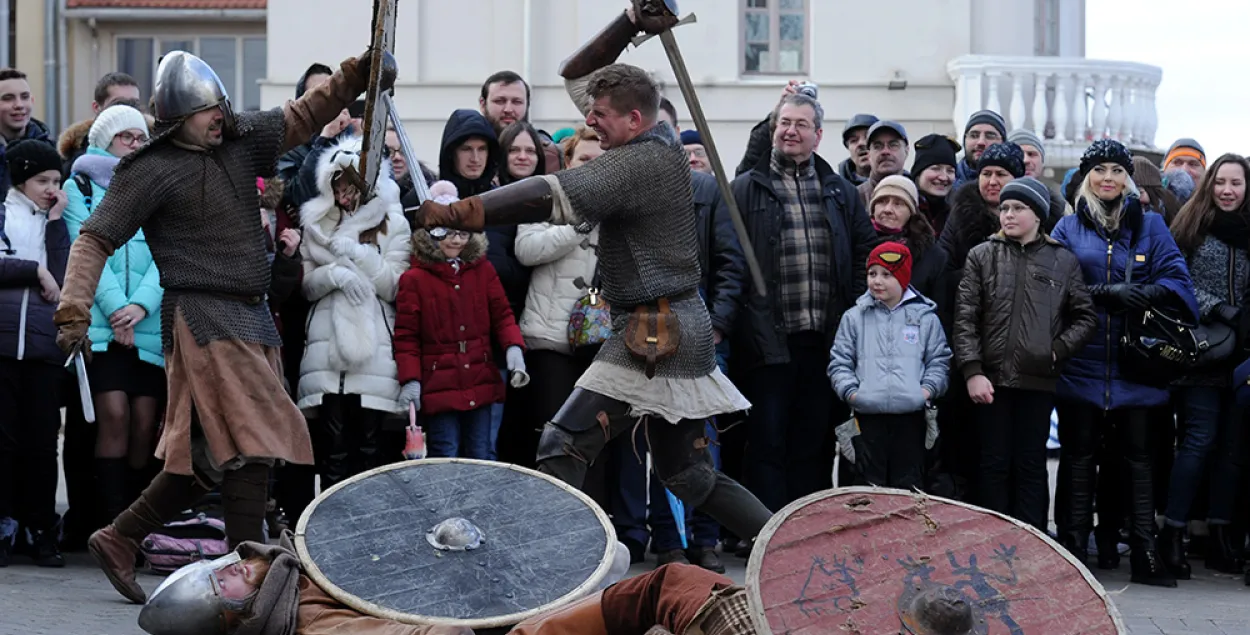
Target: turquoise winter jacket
[129,276]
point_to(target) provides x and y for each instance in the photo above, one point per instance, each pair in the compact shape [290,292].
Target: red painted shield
[852,560]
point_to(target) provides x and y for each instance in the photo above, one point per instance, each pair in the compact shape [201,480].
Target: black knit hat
[29,157]
[1106,151]
[933,149]
[1007,156]
[987,117]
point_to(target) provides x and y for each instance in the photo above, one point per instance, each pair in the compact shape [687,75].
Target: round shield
[455,542]
[873,560]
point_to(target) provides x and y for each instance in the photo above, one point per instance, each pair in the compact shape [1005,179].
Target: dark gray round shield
[531,543]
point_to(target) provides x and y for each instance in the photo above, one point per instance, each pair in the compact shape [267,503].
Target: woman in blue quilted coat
[1095,401]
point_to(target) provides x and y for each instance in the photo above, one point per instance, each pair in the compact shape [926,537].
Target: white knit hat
[112,120]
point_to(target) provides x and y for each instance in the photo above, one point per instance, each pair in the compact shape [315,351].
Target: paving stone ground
[77,600]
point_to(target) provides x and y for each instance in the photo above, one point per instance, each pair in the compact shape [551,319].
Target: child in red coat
[450,304]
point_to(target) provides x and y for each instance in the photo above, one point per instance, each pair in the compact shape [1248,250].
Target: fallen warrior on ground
[263,590]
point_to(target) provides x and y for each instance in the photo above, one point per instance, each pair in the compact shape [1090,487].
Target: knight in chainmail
[638,193]
[192,189]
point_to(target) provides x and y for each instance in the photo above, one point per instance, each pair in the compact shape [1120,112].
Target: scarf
[276,606]
[1231,228]
[887,231]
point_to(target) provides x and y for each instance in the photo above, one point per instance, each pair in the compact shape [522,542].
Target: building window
[774,36]
[1046,28]
[240,62]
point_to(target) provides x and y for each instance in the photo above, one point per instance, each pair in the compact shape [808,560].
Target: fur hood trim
[74,137]
[343,152]
[425,249]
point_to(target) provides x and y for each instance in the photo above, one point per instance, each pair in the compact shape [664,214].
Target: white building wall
[445,48]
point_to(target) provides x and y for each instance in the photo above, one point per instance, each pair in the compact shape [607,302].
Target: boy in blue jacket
[889,360]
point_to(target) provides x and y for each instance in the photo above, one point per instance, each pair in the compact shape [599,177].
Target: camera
[807,88]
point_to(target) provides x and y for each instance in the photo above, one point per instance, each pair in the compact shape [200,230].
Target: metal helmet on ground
[189,601]
[185,85]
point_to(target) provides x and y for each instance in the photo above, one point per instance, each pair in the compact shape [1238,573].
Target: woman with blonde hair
[1108,231]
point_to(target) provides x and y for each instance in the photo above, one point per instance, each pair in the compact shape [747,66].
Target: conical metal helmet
[185,85]
[189,601]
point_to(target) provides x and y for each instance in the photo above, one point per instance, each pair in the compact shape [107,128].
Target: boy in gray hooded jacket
[889,359]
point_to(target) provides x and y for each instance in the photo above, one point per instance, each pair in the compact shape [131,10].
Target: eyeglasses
[442,233]
[799,125]
[896,145]
[393,150]
[130,138]
[698,152]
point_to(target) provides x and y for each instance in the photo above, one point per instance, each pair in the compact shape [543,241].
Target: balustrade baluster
[1039,103]
[994,103]
[1082,109]
[1098,122]
[1018,111]
[1063,107]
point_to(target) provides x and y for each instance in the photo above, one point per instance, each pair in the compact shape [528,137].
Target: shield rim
[368,608]
[755,600]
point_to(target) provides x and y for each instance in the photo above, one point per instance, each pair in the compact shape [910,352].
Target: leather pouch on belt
[652,334]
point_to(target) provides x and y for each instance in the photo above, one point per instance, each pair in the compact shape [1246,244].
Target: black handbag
[1217,341]
[1156,348]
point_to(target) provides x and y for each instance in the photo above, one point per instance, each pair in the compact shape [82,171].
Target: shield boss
[865,560]
[455,541]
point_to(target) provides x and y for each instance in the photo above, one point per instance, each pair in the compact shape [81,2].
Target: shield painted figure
[868,560]
[455,542]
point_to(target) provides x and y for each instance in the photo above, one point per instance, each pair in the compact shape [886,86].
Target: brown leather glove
[71,334]
[653,16]
[467,214]
[390,68]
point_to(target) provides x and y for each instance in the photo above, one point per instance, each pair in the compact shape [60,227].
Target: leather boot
[1148,567]
[1172,551]
[1108,550]
[115,547]
[46,551]
[584,617]
[1222,554]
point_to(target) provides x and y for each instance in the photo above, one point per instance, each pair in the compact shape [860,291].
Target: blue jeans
[459,434]
[496,421]
[1209,415]
[701,529]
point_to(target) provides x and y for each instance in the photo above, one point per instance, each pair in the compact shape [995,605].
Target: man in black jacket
[812,238]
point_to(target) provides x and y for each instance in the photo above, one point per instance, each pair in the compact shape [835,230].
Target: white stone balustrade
[1067,101]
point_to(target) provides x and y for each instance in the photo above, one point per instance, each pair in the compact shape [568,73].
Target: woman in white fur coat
[353,256]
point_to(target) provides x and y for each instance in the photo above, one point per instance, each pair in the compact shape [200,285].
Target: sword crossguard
[689,19]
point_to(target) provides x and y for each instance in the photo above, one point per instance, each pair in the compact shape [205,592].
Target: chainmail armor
[639,194]
[199,212]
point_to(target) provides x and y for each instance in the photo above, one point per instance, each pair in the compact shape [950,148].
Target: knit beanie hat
[1007,156]
[1180,183]
[112,120]
[1145,174]
[896,258]
[1027,138]
[988,117]
[442,192]
[895,185]
[691,137]
[1106,151]
[1031,192]
[1185,147]
[29,157]
[931,150]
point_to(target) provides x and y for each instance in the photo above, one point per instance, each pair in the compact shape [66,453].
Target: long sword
[700,123]
[414,166]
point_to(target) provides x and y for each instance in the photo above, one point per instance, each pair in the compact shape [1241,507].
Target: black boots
[1148,567]
[1108,550]
[1223,554]
[46,552]
[1172,550]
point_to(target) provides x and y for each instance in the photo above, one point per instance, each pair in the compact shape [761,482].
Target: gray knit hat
[1029,191]
[987,117]
[1028,138]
